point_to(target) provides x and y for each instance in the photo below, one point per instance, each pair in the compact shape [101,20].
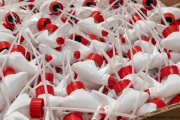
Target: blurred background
[170,2]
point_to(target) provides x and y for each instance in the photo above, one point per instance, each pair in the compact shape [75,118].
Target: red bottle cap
[22,39]
[7,26]
[121,85]
[147,4]
[19,48]
[153,41]
[135,50]
[63,20]
[159,103]
[144,38]
[92,36]
[89,3]
[8,71]
[51,28]
[175,100]
[168,70]
[168,54]
[96,58]
[55,8]
[169,17]
[144,11]
[74,86]
[170,29]
[105,90]
[49,58]
[116,4]
[85,41]
[9,19]
[60,40]
[122,39]
[4,45]
[110,54]
[77,54]
[58,69]
[41,90]
[104,33]
[76,37]
[98,18]
[73,116]
[111,81]
[28,55]
[101,114]
[42,23]
[48,76]
[123,72]
[36,108]
[135,18]
[75,75]
[59,48]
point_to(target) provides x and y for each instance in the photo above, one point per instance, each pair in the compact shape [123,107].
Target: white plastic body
[19,63]
[175,57]
[117,64]
[175,11]
[126,103]
[146,108]
[14,83]
[141,60]
[6,37]
[138,82]
[145,46]
[172,42]
[58,57]
[50,40]
[89,70]
[170,86]
[140,26]
[89,27]
[80,99]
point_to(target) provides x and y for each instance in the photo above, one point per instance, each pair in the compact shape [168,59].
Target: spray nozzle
[12,17]
[148,4]
[42,23]
[55,8]
[169,17]
[117,3]
[89,3]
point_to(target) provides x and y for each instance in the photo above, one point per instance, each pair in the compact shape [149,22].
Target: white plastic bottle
[19,63]
[171,38]
[89,69]
[78,97]
[170,80]
[14,82]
